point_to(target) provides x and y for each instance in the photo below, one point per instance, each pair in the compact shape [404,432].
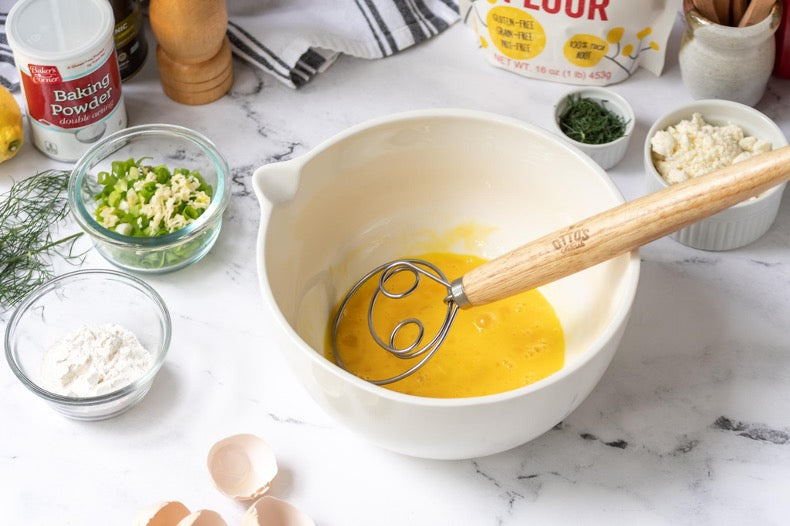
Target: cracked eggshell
[271,511]
[202,518]
[163,514]
[242,466]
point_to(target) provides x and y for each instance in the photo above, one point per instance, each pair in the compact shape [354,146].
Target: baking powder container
[65,53]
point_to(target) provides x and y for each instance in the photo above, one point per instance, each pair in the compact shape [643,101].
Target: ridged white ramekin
[745,222]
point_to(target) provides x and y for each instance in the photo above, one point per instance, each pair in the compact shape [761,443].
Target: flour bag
[592,42]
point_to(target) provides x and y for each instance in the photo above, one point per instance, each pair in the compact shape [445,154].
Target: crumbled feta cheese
[150,177]
[131,197]
[109,219]
[162,206]
[693,147]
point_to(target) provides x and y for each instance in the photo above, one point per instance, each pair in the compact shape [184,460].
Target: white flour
[94,360]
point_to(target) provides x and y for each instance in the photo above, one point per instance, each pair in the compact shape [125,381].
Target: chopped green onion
[145,201]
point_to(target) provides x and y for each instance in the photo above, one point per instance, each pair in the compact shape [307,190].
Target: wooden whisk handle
[620,229]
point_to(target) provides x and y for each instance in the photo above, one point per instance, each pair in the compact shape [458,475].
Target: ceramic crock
[724,62]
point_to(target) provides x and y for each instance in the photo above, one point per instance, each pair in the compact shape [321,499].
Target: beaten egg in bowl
[489,349]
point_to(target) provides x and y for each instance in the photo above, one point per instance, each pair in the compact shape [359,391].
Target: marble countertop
[689,425]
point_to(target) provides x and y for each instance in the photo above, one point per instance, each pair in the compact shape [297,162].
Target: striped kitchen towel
[8,75]
[294,40]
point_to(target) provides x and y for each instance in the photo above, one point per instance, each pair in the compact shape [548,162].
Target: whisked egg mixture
[490,349]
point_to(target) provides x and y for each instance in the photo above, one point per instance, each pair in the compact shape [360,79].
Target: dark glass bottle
[782,67]
[130,43]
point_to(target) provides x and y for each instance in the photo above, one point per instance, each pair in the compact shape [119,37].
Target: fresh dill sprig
[29,212]
[588,121]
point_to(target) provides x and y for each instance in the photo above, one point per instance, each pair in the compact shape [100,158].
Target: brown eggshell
[242,466]
[163,514]
[202,518]
[271,511]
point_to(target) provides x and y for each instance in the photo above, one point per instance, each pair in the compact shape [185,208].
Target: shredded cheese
[693,147]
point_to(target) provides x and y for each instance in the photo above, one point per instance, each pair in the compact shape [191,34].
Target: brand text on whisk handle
[572,240]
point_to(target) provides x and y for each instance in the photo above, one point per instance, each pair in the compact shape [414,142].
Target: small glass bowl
[87,297]
[175,147]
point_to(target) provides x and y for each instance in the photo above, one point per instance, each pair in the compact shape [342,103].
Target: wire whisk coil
[418,347]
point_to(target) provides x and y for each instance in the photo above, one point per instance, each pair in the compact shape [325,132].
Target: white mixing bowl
[382,190]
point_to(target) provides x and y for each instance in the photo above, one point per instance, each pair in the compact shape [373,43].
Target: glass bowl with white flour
[89,342]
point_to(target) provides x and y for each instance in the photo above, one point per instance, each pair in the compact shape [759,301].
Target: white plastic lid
[58,29]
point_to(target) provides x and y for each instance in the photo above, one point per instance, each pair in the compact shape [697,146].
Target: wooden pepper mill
[193,52]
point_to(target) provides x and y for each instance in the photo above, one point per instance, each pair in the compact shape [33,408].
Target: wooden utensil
[571,249]
[625,227]
[756,12]
[737,9]
[707,9]
[193,52]
[722,8]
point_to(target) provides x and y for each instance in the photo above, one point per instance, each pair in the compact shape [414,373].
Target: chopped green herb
[588,121]
[146,201]
[28,214]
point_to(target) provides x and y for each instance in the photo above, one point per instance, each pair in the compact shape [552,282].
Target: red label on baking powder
[72,103]
[45,74]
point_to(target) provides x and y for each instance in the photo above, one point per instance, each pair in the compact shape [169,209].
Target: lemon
[10,125]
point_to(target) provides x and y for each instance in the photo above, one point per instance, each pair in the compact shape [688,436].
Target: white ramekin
[745,222]
[609,154]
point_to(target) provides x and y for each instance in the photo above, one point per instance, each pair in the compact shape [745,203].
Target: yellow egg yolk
[489,349]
